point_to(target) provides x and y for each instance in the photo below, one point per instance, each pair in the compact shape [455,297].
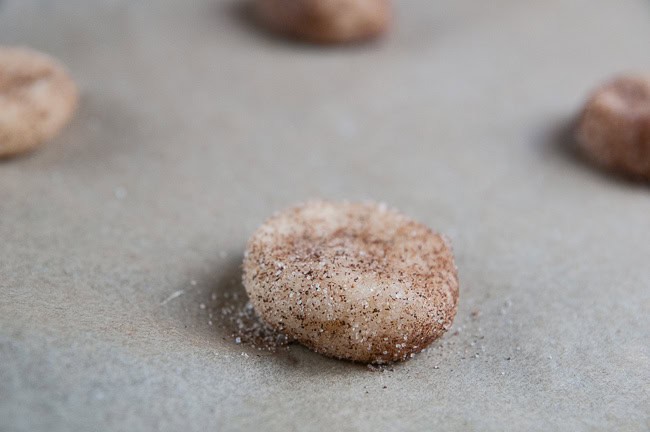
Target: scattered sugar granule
[172,297]
[120,193]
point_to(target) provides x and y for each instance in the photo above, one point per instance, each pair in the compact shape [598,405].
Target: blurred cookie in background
[326,21]
[37,99]
[614,127]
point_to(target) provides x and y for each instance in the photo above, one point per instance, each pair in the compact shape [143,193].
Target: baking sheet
[194,126]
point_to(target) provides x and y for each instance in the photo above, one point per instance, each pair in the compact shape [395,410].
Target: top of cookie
[627,94]
[351,241]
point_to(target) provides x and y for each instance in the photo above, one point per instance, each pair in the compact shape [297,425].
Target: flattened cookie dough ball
[326,21]
[354,281]
[37,98]
[614,128]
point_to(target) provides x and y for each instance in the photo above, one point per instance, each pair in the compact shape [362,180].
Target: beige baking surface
[194,127]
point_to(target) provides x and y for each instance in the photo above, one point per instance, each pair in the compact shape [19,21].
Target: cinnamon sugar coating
[354,281]
[326,21]
[37,98]
[614,128]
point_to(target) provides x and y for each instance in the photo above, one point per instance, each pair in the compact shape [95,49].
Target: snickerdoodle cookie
[326,21]
[614,128]
[37,98]
[355,281]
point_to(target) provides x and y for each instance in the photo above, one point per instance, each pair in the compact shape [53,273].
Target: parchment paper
[194,126]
